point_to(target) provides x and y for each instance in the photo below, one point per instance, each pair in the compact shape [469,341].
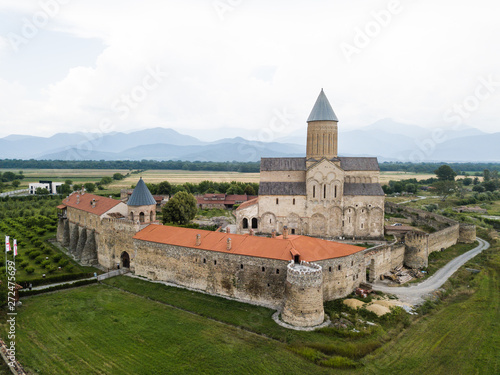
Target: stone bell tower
[322,130]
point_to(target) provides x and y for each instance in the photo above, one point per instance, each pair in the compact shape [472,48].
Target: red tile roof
[102,204]
[309,248]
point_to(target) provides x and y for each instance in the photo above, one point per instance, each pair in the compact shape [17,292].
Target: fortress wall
[338,283]
[260,280]
[467,233]
[115,237]
[421,217]
[383,258]
[443,239]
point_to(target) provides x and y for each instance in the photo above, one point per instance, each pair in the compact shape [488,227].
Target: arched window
[324,191]
[245,223]
[335,191]
[314,191]
[132,216]
[254,223]
[141,217]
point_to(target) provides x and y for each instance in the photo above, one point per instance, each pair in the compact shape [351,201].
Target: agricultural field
[32,221]
[180,177]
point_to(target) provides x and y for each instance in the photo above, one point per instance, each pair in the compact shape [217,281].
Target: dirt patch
[353,303]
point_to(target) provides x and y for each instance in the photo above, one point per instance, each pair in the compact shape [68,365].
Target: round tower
[303,295]
[141,204]
[322,131]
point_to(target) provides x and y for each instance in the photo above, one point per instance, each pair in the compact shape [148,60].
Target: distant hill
[386,139]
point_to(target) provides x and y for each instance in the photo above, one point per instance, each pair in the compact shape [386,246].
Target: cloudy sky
[198,65]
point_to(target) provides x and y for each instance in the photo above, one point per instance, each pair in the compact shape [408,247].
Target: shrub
[29,270]
[46,263]
[338,362]
[62,262]
[24,264]
[51,269]
[57,257]
[34,254]
[39,259]
[47,250]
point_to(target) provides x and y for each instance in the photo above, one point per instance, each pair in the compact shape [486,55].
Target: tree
[106,180]
[490,185]
[9,176]
[90,187]
[180,209]
[64,189]
[411,188]
[476,181]
[249,190]
[445,188]
[68,182]
[486,175]
[16,183]
[467,181]
[164,188]
[118,176]
[41,191]
[445,173]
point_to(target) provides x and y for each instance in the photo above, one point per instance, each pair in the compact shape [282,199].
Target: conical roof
[322,110]
[141,195]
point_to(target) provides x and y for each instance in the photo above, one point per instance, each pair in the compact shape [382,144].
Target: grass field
[98,329]
[103,329]
[460,337]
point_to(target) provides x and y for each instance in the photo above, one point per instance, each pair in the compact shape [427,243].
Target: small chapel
[322,194]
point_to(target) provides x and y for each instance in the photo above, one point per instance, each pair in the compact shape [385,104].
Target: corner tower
[322,131]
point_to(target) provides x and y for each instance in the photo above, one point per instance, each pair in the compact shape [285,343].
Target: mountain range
[386,139]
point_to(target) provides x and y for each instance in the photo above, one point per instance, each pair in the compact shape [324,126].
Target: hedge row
[58,278]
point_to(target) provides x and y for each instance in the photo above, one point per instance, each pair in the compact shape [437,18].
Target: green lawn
[98,329]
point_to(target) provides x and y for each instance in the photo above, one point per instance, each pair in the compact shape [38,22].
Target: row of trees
[233,187]
[459,168]
[244,167]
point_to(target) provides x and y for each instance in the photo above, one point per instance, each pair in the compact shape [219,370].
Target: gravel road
[415,293]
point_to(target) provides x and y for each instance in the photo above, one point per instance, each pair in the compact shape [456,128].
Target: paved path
[414,294]
[99,277]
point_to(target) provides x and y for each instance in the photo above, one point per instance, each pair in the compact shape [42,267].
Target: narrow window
[215,262]
[293,230]
[335,191]
[324,191]
[329,269]
[241,266]
[314,191]
[293,201]
[340,267]
[349,220]
[343,223]
[352,263]
[277,271]
[263,269]
[277,200]
[204,260]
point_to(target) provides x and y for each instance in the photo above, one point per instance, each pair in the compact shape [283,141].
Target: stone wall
[467,233]
[381,259]
[251,279]
[443,239]
[114,239]
[342,275]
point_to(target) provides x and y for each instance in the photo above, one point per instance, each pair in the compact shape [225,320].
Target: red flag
[15,247]
[7,243]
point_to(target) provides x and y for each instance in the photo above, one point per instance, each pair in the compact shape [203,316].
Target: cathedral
[322,194]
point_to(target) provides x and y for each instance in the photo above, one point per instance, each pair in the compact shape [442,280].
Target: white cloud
[427,58]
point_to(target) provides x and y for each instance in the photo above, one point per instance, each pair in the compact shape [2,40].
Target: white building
[49,185]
